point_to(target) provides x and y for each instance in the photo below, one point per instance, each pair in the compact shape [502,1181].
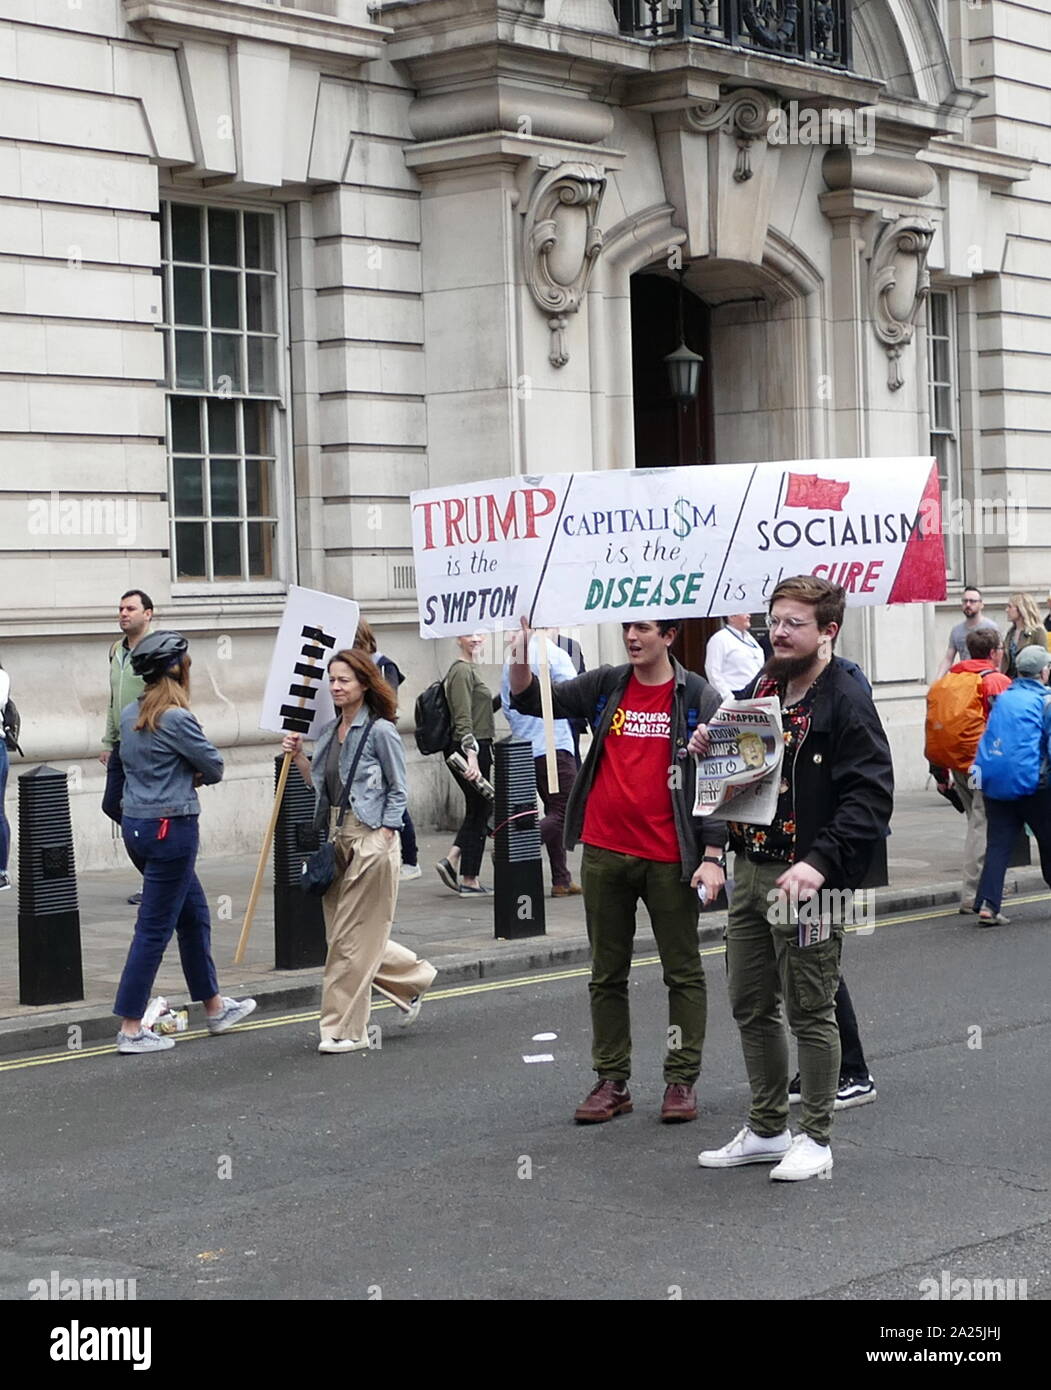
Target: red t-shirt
[629,809]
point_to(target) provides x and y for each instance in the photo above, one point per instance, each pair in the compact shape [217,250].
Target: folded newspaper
[740,777]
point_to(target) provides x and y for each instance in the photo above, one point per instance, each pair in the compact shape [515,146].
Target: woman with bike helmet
[166,756]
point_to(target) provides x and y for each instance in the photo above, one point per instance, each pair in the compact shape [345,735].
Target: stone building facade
[265,270]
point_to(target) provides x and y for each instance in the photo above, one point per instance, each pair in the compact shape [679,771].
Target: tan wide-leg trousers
[359,911]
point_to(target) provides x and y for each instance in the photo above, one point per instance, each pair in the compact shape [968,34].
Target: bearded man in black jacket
[794,879]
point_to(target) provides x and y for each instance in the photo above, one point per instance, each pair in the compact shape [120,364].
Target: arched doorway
[668,435]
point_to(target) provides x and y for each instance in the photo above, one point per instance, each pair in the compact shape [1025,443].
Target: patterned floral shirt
[778,839]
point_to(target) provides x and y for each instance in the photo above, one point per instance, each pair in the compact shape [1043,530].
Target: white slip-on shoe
[334,1045]
[145,1040]
[233,1012]
[805,1159]
[412,1013]
[747,1147]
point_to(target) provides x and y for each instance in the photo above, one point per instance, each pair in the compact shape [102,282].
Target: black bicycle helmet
[157,653]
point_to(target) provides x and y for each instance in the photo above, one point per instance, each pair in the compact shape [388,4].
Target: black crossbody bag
[319,870]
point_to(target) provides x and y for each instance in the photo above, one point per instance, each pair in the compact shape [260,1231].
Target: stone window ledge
[319,35]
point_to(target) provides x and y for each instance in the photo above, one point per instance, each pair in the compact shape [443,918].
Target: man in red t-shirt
[632,805]
[986,649]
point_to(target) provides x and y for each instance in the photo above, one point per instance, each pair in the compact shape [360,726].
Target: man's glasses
[772,624]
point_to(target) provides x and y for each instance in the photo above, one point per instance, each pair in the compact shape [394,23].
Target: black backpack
[434,725]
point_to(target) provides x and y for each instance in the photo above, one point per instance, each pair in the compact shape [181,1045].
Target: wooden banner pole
[246,926]
[547,710]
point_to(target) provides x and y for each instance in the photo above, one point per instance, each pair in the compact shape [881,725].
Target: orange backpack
[955,719]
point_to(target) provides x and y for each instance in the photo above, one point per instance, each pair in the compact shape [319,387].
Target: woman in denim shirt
[166,756]
[359,907]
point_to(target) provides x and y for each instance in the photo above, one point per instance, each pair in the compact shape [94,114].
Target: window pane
[226,361]
[189,359]
[257,428]
[189,550]
[262,372]
[259,302]
[942,408]
[226,311]
[166,253]
[189,295]
[225,496]
[222,427]
[940,314]
[186,233]
[260,549]
[259,249]
[941,369]
[226,550]
[186,425]
[189,493]
[257,488]
[222,237]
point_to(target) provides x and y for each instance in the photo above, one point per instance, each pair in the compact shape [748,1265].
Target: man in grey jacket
[632,806]
[134,616]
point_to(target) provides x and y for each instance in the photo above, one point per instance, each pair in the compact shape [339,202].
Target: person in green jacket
[471,707]
[134,616]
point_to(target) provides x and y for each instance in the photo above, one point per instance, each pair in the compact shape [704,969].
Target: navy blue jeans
[1003,822]
[172,901]
[409,853]
[5,829]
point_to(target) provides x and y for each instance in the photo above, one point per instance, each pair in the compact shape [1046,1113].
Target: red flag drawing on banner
[921,574]
[814,493]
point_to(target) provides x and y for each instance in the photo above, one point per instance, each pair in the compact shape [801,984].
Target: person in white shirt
[525,726]
[733,657]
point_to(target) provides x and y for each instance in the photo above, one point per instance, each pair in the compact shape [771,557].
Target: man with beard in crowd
[783,940]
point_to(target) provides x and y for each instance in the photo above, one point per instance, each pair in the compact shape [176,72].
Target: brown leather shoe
[566,890]
[680,1104]
[607,1099]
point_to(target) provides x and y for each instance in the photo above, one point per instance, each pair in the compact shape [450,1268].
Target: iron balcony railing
[814,31]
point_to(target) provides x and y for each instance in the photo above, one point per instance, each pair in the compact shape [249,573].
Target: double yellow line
[458,992]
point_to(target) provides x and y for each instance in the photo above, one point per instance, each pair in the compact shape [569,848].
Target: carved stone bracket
[744,116]
[562,242]
[899,282]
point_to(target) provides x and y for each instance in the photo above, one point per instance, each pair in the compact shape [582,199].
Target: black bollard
[518,874]
[299,923]
[49,963]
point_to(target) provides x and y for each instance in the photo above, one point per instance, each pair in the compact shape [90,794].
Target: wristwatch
[469,744]
[720,862]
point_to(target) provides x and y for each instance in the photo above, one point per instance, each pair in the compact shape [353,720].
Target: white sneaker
[145,1040]
[747,1147]
[805,1159]
[412,1013]
[234,1011]
[409,872]
[5,882]
[332,1045]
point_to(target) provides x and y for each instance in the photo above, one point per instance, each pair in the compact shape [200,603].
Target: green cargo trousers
[765,965]
[613,884]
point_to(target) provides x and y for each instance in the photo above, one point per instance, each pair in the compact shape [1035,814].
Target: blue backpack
[1011,760]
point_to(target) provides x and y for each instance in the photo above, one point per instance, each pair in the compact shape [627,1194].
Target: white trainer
[410,871]
[747,1147]
[412,1013]
[805,1159]
[333,1045]
[145,1040]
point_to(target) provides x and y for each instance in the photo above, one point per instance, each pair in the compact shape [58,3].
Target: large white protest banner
[571,548]
[315,626]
